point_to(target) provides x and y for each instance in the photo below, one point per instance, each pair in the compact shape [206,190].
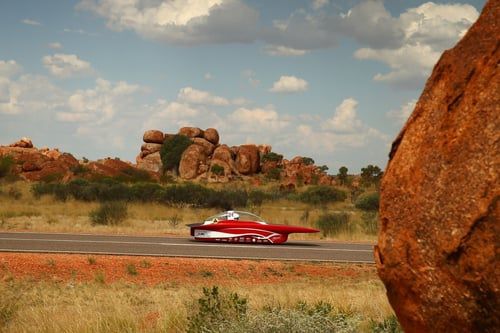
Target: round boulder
[191,159]
[439,239]
[153,136]
[209,147]
[191,132]
[248,159]
[211,135]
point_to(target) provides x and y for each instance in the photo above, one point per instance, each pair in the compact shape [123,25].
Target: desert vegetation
[133,294]
[112,206]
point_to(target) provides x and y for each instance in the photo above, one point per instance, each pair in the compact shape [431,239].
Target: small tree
[273,157]
[6,163]
[323,168]
[171,152]
[307,160]
[342,175]
[371,174]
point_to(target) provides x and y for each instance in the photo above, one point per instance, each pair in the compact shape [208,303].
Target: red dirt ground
[155,270]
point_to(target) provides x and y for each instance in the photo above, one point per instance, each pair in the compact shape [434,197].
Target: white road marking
[219,245]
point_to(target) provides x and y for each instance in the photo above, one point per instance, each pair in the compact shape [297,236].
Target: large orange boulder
[248,159]
[151,162]
[191,132]
[438,249]
[150,148]
[153,136]
[207,145]
[211,135]
[193,162]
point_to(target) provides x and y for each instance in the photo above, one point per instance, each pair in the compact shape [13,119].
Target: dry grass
[96,307]
[49,215]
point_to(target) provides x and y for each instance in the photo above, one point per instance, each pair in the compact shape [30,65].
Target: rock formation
[438,248]
[207,152]
[46,164]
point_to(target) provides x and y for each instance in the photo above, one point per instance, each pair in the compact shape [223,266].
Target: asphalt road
[182,247]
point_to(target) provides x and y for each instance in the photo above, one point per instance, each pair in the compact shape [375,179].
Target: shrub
[368,201]
[332,224]
[370,222]
[388,325]
[9,304]
[79,169]
[131,269]
[317,195]
[320,317]
[6,163]
[307,161]
[274,174]
[217,170]
[257,197]
[109,213]
[216,311]
[174,220]
[14,193]
[135,175]
[272,157]
[171,151]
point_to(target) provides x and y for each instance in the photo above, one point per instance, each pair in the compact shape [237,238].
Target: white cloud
[191,95]
[257,120]
[9,68]
[289,84]
[280,50]
[208,76]
[422,35]
[318,4]
[66,65]
[344,118]
[31,22]
[98,105]
[29,94]
[400,116]
[55,45]
[343,130]
[179,21]
[249,75]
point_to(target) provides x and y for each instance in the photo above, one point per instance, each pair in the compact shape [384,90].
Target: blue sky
[333,80]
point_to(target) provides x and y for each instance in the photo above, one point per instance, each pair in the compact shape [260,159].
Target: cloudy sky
[332,80]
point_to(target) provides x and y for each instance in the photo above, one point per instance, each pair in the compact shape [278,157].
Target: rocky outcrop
[438,248]
[23,143]
[153,136]
[248,159]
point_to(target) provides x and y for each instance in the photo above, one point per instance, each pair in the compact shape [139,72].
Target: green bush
[171,151]
[79,169]
[272,157]
[333,224]
[274,174]
[368,201]
[135,175]
[217,169]
[109,213]
[6,163]
[307,161]
[318,195]
[217,312]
